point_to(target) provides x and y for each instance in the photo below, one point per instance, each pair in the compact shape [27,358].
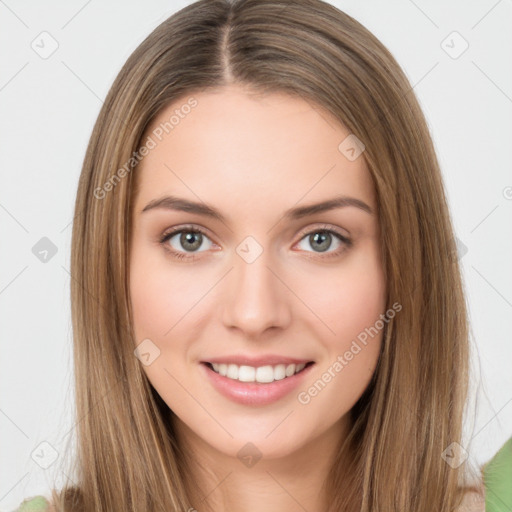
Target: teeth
[232,371]
[263,374]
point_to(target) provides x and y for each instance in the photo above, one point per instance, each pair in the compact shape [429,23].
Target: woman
[250,371]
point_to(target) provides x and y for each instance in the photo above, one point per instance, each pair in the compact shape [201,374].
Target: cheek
[160,300]
[359,304]
[160,296]
[152,308]
[353,310]
[348,298]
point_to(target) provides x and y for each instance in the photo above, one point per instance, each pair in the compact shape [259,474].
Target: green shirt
[498,480]
[37,504]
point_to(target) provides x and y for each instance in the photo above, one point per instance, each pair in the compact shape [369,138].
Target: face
[255,281]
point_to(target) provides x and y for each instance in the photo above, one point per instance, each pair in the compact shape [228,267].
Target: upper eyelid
[303,232]
[323,227]
[187,228]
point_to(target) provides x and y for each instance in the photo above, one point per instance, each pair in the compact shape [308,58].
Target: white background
[48,107]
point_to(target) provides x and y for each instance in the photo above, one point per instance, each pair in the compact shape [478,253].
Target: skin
[252,158]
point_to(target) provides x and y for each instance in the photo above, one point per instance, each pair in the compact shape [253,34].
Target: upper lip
[256,361]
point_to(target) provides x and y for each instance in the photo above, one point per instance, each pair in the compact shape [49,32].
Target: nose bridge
[256,299]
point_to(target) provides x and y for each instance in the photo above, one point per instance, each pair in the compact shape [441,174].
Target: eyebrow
[185,205]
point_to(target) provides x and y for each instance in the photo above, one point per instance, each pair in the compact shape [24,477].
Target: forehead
[227,143]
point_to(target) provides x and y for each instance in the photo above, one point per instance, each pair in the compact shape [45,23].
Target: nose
[257,298]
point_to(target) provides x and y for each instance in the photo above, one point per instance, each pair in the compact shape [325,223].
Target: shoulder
[498,475]
[35,504]
[473,501]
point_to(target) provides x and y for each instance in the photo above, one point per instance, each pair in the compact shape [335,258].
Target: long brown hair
[127,454]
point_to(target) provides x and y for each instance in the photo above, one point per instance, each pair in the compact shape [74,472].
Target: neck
[218,482]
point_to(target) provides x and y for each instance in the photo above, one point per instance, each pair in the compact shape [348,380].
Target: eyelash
[192,229]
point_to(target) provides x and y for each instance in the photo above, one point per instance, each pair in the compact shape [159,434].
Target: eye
[321,239]
[190,239]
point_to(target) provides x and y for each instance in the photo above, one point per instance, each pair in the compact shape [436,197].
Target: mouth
[256,386]
[259,375]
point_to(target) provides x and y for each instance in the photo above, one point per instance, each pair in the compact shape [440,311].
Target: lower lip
[254,393]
